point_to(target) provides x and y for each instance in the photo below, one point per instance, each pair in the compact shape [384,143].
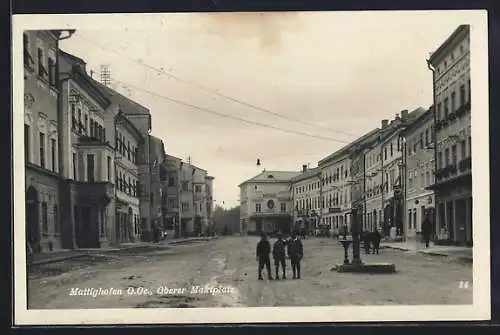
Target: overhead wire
[216,92]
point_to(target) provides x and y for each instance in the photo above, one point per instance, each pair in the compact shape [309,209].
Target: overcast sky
[342,71]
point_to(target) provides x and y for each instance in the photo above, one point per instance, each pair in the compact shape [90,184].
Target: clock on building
[270,204]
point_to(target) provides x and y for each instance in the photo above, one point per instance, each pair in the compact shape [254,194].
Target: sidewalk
[63,255]
[460,253]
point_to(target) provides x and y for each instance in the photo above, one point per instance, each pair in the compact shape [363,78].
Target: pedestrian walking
[263,251]
[375,241]
[295,253]
[279,255]
[365,237]
[426,230]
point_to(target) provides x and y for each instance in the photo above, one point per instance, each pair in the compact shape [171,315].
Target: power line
[203,109]
[198,86]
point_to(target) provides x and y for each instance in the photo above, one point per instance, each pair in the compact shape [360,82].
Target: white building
[306,194]
[452,98]
[266,202]
[419,163]
[336,189]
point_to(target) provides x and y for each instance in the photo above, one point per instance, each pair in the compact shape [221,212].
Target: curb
[55,260]
[431,253]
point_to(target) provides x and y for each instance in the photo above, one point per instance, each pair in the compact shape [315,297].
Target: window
[462,95]
[75,163]
[129,186]
[446,108]
[385,153]
[257,208]
[109,167]
[57,224]
[453,101]
[93,132]
[197,188]
[86,125]
[427,178]
[439,110]
[409,219]
[431,140]
[414,218]
[185,186]
[53,149]
[185,206]
[171,204]
[461,49]
[28,60]
[171,181]
[422,140]
[42,72]
[422,179]
[452,56]
[440,160]
[52,72]
[45,218]
[392,150]
[27,144]
[90,168]
[42,150]
[104,134]
[447,157]
[463,149]
[454,154]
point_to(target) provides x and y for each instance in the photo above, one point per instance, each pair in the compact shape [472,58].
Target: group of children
[292,248]
[371,241]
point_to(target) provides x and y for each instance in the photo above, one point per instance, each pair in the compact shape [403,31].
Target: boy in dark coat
[426,230]
[263,251]
[365,237]
[295,253]
[279,255]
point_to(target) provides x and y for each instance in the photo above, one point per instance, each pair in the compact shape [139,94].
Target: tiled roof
[273,177]
[128,106]
[305,175]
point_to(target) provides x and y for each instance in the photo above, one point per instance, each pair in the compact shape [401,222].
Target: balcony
[94,192]
[446,172]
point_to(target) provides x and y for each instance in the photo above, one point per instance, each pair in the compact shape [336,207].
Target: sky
[333,76]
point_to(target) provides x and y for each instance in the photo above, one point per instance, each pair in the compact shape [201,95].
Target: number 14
[463,284]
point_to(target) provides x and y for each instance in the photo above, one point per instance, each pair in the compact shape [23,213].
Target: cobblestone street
[156,279]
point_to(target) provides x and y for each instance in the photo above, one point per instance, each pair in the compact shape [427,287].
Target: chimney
[304,168]
[385,123]
[404,114]
[396,117]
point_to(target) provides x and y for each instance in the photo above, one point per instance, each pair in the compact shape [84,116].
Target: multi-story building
[336,189]
[87,157]
[306,190]
[137,119]
[42,135]
[357,154]
[450,64]
[171,194]
[393,171]
[199,200]
[419,172]
[158,156]
[209,196]
[266,202]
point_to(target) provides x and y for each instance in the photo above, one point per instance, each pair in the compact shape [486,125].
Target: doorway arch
[32,220]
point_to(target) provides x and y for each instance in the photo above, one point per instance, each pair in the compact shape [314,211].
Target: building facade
[158,156]
[139,118]
[335,171]
[266,203]
[42,135]
[450,64]
[307,194]
[87,158]
[209,197]
[419,172]
[171,194]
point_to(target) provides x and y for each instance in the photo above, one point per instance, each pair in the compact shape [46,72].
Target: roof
[128,106]
[422,118]
[306,175]
[407,121]
[452,39]
[344,149]
[157,148]
[272,177]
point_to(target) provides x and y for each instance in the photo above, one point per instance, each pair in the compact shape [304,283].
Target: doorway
[32,221]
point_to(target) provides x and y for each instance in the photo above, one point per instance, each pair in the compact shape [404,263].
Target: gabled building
[158,155]
[266,202]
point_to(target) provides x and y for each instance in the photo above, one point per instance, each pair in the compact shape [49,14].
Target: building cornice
[452,41]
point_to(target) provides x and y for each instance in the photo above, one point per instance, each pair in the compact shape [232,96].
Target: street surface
[166,278]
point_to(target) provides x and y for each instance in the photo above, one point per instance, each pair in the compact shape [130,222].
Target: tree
[229,218]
